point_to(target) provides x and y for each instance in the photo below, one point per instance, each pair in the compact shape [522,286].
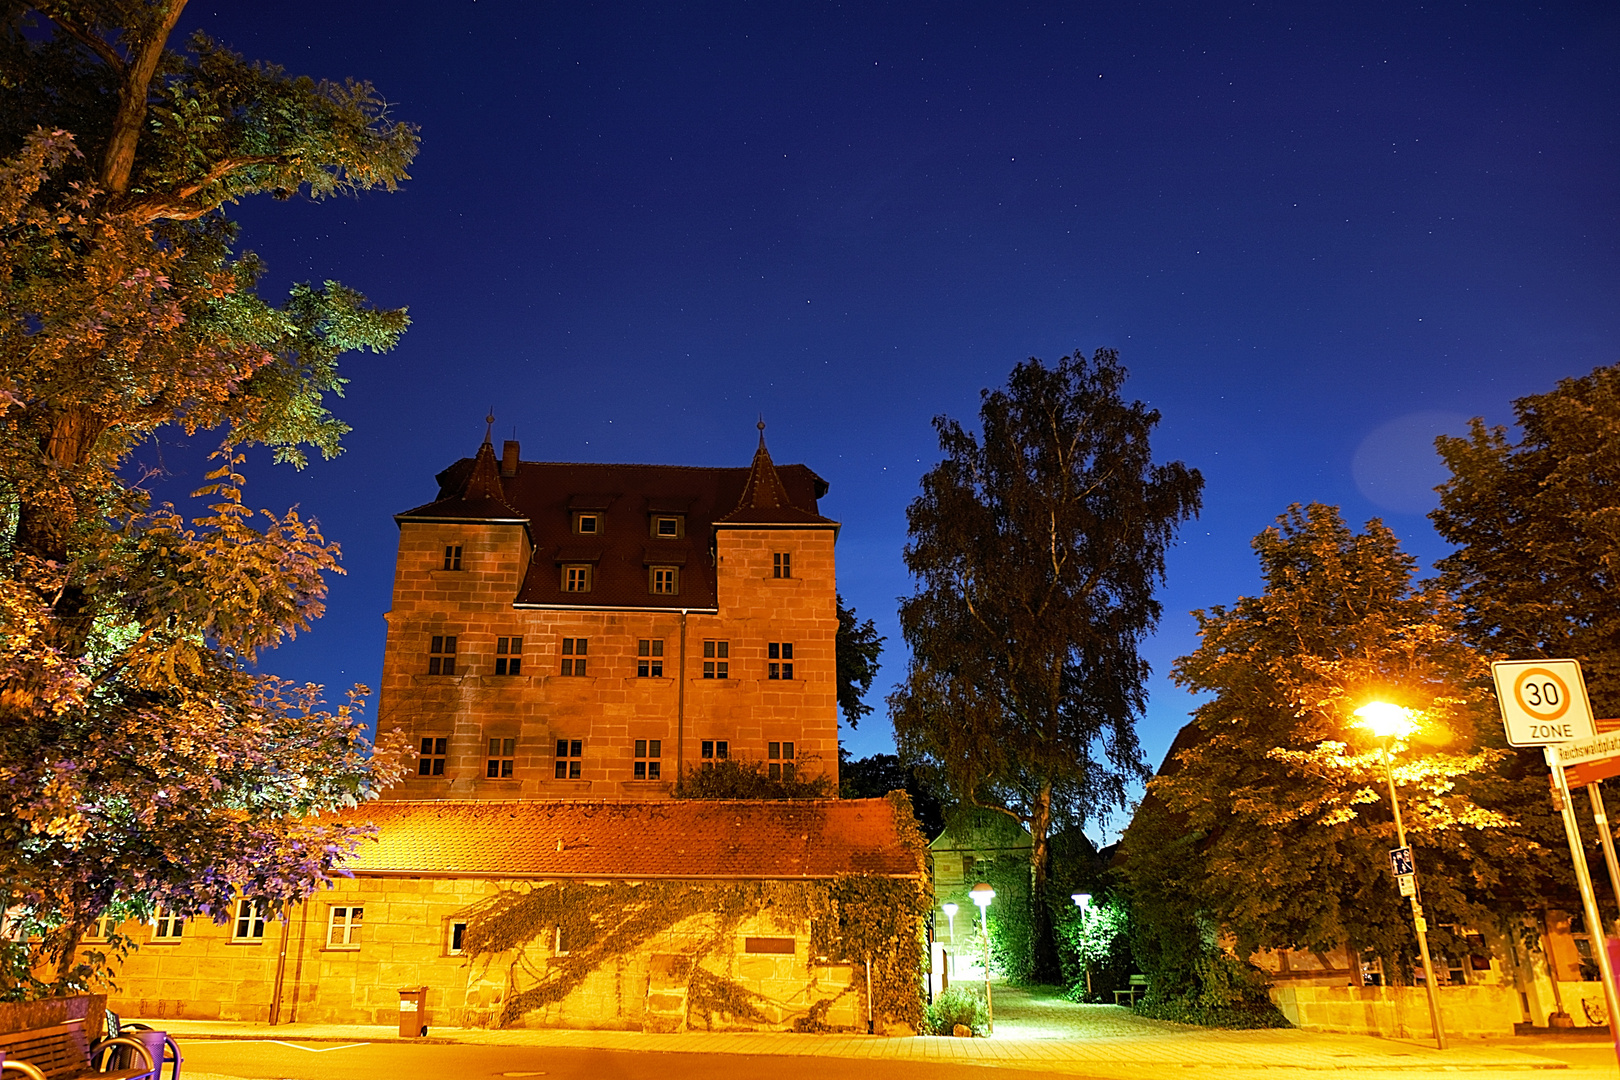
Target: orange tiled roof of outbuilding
[693,838]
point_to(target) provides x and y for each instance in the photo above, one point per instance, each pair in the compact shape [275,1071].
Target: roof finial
[489,424]
[761,426]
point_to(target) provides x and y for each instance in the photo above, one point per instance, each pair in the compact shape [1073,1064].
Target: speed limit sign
[1543,701]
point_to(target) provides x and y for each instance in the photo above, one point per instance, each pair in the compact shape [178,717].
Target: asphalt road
[404,1061]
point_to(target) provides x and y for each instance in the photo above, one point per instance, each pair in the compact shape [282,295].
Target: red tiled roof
[478,498]
[765,501]
[545,494]
[683,838]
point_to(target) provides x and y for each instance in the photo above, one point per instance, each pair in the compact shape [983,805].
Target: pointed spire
[764,490]
[482,496]
[765,499]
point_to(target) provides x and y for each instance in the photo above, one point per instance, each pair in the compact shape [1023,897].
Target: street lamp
[982,894]
[1082,900]
[1388,723]
[950,917]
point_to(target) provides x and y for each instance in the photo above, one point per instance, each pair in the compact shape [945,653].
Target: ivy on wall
[853,917]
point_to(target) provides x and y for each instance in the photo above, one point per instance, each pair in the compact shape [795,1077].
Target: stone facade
[757,580]
[406,939]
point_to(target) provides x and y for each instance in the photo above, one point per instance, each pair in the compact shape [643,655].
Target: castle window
[588,524]
[508,660]
[452,557]
[577,577]
[780,765]
[716,664]
[167,926]
[650,658]
[442,655]
[667,527]
[573,655]
[665,580]
[780,656]
[648,752]
[458,932]
[502,760]
[431,760]
[104,928]
[782,564]
[343,927]
[715,749]
[570,755]
[250,917]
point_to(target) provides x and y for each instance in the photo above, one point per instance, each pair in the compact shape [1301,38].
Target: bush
[739,778]
[1243,1017]
[959,1004]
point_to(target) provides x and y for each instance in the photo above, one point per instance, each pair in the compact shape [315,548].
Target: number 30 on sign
[1543,701]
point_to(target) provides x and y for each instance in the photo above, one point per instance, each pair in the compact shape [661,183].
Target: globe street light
[1082,900]
[982,894]
[1390,722]
[950,917]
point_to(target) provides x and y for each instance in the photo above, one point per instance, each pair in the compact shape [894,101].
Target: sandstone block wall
[612,705]
[405,941]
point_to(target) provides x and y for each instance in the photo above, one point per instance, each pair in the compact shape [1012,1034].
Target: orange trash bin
[413,1018]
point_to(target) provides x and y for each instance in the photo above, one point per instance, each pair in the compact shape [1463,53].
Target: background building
[589,631]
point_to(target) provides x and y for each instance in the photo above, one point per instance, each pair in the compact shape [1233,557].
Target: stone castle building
[590,631]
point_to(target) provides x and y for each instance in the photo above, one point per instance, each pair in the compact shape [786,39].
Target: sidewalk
[1033,1034]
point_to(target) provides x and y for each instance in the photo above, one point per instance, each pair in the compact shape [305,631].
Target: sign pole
[1594,791]
[1583,877]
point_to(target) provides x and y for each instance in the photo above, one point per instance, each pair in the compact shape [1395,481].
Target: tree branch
[177,207]
[88,40]
[118,163]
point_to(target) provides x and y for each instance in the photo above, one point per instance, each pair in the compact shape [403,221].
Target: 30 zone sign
[1543,701]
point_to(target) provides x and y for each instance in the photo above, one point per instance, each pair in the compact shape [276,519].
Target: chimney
[509,457]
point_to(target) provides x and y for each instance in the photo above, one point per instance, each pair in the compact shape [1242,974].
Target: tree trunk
[1045,967]
[118,163]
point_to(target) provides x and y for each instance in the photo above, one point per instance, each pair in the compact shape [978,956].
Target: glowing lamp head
[950,910]
[1385,720]
[1082,900]
[982,894]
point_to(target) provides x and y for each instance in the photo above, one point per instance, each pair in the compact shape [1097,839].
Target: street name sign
[1543,702]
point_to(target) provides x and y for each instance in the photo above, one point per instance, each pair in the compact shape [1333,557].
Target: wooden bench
[1138,985]
[64,1051]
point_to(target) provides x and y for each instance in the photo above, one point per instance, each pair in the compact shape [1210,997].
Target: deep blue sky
[1315,237]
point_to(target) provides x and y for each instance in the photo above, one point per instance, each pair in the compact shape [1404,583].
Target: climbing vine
[580,927]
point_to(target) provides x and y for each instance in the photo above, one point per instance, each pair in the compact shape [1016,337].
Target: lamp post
[950,917]
[1082,900]
[982,894]
[950,910]
[1389,722]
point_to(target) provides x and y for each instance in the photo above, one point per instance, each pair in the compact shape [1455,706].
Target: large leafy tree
[1272,823]
[857,646]
[1037,545]
[143,760]
[1536,525]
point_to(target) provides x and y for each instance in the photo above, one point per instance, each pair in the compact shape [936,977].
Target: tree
[874,777]
[1037,549]
[1272,824]
[144,760]
[857,646]
[1536,525]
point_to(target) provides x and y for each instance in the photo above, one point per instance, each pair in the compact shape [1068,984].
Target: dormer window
[588,524]
[668,526]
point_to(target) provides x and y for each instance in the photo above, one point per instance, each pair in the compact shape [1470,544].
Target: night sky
[1316,238]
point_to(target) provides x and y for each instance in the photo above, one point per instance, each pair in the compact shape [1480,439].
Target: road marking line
[306,1049]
